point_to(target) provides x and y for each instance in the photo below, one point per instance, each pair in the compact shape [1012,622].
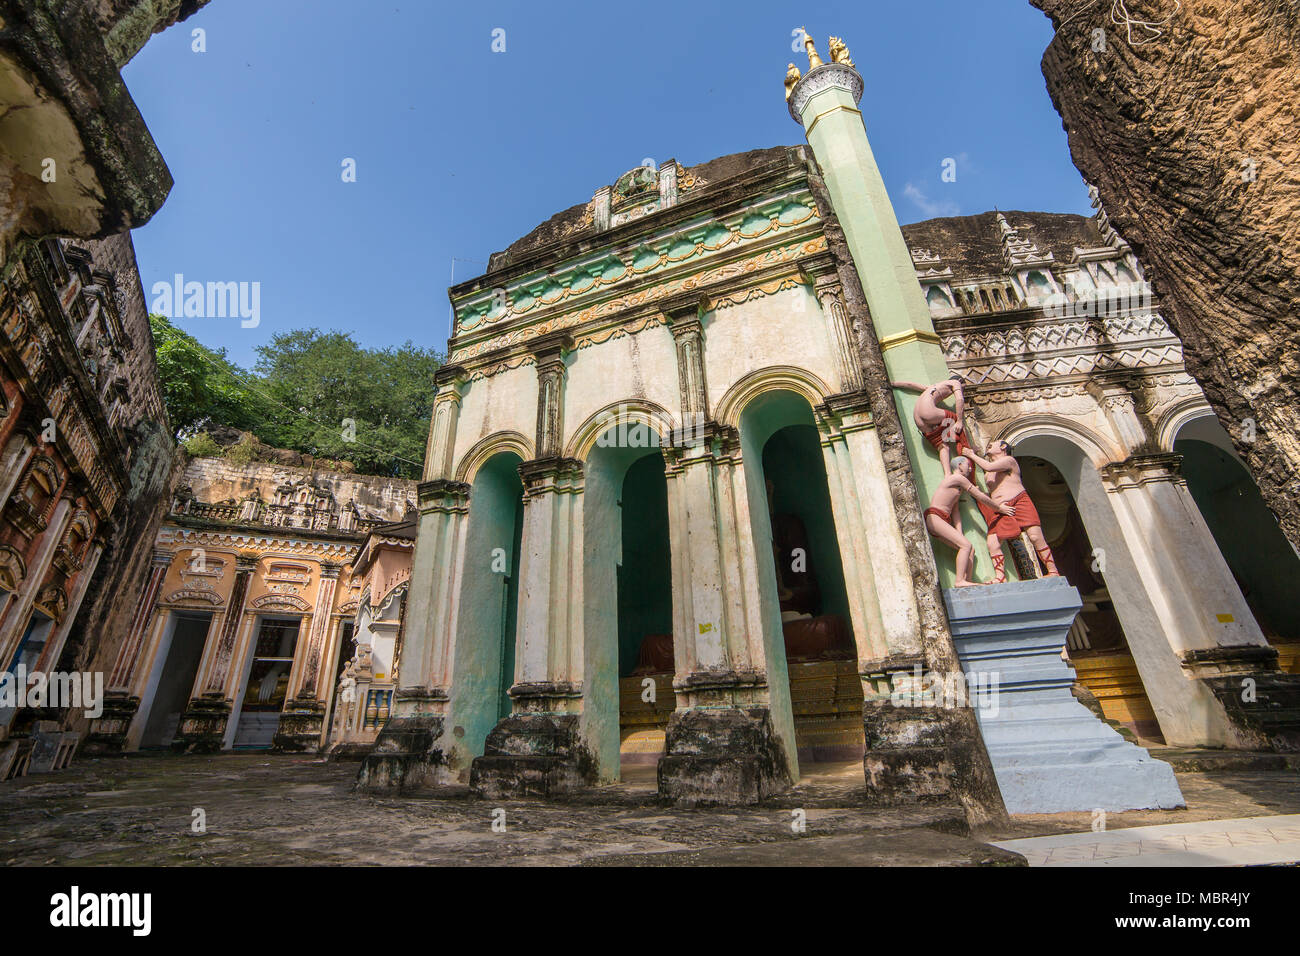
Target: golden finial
[791,78]
[814,60]
[839,52]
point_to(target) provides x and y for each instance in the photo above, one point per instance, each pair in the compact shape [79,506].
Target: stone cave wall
[1192,138]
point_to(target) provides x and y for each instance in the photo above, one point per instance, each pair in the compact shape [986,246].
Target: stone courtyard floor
[269,810]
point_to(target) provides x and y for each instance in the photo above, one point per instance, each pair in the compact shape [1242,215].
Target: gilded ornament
[839,52]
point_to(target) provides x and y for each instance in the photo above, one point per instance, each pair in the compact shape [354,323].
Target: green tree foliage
[201,386]
[369,406]
[318,393]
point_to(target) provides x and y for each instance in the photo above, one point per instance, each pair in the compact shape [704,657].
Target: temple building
[1185,575]
[247,619]
[372,643]
[672,508]
[84,446]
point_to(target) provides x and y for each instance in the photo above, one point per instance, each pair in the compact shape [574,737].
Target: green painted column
[825,102]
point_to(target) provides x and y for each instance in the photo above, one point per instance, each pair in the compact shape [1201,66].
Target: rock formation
[76,158]
[1190,130]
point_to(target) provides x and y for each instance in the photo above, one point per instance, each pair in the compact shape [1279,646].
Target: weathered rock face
[76,158]
[1192,137]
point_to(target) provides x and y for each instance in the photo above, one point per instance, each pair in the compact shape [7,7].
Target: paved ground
[276,810]
[1249,841]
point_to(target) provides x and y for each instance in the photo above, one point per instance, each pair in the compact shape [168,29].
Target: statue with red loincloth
[939,425]
[943,519]
[1002,473]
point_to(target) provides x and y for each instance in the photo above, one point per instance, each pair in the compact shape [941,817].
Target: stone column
[539,749]
[203,724]
[683,314]
[19,612]
[54,646]
[882,601]
[412,751]
[123,673]
[108,733]
[731,738]
[448,381]
[12,465]
[1239,697]
[911,754]
[826,284]
[549,352]
[303,720]
[824,102]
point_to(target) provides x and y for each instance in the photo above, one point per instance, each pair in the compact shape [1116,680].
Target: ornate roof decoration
[1017,251]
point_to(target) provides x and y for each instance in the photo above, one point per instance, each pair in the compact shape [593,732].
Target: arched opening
[1038,286]
[1261,559]
[937,298]
[485,642]
[813,658]
[1097,645]
[628,666]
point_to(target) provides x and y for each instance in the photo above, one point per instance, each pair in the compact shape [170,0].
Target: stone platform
[1050,754]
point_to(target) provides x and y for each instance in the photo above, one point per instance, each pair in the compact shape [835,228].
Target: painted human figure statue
[937,424]
[943,518]
[1002,473]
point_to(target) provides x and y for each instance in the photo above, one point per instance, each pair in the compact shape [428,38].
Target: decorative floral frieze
[768,258]
[608,268]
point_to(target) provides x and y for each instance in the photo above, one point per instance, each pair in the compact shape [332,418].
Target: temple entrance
[485,645]
[818,647]
[1096,645]
[1262,561]
[266,684]
[174,681]
[629,618]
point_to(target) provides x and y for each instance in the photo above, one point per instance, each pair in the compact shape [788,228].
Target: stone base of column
[1050,753]
[1262,700]
[922,754]
[721,756]
[301,725]
[907,758]
[202,726]
[533,755]
[407,755]
[107,734]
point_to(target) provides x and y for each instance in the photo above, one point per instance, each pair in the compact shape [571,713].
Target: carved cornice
[443,494]
[553,473]
[341,551]
[1138,470]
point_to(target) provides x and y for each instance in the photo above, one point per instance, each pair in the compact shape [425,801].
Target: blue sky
[460,150]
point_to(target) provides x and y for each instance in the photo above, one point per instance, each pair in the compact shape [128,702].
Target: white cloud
[930,207]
